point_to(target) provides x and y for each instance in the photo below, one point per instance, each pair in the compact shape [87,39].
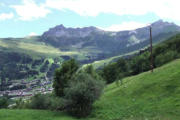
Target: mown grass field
[147,96]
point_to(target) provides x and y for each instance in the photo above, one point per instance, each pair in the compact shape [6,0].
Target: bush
[3,102]
[81,94]
[40,101]
[20,104]
[57,103]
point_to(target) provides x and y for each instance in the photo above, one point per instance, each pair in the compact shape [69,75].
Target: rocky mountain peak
[61,26]
[162,23]
[61,31]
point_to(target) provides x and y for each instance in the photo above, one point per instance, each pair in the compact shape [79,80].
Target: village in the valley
[25,89]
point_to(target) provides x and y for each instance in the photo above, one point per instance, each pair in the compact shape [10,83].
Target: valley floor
[147,96]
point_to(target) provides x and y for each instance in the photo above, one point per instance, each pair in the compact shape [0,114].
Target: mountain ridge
[106,42]
[160,23]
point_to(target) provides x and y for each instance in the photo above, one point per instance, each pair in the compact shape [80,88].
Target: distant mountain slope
[31,46]
[107,43]
[171,45]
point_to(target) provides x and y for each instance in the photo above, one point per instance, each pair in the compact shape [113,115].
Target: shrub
[40,101]
[81,94]
[20,104]
[3,102]
[57,103]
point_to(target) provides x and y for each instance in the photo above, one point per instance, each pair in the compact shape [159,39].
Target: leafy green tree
[165,58]
[115,71]
[63,75]
[109,73]
[122,65]
[91,71]
[82,92]
[140,63]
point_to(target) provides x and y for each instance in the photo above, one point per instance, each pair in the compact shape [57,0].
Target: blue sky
[20,18]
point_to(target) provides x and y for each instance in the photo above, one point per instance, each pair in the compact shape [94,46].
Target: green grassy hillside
[147,96]
[32,115]
[32,46]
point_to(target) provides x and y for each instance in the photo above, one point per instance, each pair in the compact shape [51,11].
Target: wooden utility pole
[151,62]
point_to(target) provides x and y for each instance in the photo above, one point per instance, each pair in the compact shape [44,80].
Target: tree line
[162,54]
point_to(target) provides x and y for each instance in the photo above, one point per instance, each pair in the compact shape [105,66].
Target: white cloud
[5,16]
[29,10]
[163,8]
[95,7]
[32,34]
[124,26]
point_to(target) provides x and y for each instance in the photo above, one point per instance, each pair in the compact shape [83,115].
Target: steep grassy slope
[148,96]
